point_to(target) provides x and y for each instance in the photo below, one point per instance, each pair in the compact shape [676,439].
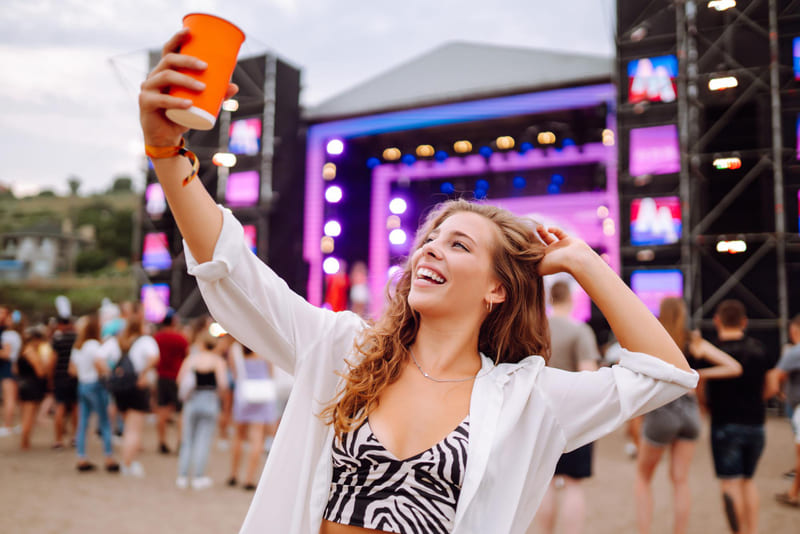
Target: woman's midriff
[329,527]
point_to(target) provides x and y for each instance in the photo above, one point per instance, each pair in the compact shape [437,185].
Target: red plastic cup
[216,41]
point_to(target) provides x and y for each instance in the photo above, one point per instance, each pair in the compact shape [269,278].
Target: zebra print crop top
[373,489]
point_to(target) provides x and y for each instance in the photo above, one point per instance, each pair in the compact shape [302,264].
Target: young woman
[10,346]
[251,419]
[88,364]
[32,376]
[142,349]
[442,416]
[676,425]
[200,411]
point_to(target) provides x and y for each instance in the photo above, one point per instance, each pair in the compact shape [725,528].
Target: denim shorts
[680,419]
[736,449]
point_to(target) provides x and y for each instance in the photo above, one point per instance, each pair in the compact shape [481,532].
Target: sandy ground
[42,493]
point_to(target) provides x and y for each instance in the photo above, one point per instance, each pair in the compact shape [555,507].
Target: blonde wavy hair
[515,329]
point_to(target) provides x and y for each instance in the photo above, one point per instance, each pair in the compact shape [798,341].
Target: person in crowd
[88,364]
[676,426]
[737,409]
[12,325]
[573,347]
[111,325]
[786,375]
[251,419]
[173,348]
[382,417]
[32,376]
[134,405]
[200,411]
[65,387]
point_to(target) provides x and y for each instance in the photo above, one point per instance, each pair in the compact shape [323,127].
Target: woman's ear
[497,293]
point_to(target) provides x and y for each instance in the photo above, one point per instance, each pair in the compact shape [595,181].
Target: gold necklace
[429,377]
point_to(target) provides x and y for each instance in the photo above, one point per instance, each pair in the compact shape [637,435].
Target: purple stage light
[242,188]
[398,206]
[333,194]
[654,150]
[333,229]
[155,301]
[397,236]
[335,147]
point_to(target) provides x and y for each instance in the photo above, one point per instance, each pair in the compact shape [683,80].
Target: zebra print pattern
[373,489]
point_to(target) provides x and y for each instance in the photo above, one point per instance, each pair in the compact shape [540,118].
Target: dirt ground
[42,493]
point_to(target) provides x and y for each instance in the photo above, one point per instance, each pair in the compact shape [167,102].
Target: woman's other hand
[562,251]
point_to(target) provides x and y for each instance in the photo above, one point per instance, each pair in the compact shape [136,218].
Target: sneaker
[134,470]
[112,467]
[631,450]
[163,449]
[249,487]
[232,481]
[85,467]
[201,483]
[182,482]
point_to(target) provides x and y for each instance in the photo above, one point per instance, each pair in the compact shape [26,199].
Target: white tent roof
[462,71]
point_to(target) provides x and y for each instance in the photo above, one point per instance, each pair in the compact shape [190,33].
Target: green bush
[89,261]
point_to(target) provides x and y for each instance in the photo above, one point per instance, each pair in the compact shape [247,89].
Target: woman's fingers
[159,81]
[551,235]
[558,232]
[232,90]
[153,100]
[175,42]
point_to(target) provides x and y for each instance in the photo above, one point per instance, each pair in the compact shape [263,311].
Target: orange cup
[216,41]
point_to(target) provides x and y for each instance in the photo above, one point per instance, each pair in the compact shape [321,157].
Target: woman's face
[453,272]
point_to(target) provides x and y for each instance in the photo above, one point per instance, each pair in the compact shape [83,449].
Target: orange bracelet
[161,152]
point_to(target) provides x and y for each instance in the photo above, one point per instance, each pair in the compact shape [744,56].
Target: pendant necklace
[429,377]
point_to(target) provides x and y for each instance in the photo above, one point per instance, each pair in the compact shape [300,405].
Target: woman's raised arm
[634,326]
[195,211]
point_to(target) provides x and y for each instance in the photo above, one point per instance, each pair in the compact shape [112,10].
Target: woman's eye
[460,244]
[427,240]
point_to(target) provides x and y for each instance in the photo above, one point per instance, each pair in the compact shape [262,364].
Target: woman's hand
[154,99]
[562,251]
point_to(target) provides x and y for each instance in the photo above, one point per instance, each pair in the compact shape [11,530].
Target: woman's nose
[430,249]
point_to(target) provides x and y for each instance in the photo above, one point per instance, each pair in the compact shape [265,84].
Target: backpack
[123,377]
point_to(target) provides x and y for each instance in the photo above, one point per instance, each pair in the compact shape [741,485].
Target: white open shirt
[522,416]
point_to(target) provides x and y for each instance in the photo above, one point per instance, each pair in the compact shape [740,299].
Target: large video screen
[653,79]
[155,204]
[250,236]
[796,57]
[651,286]
[655,221]
[242,189]
[155,301]
[245,137]
[155,252]
[797,137]
[654,150]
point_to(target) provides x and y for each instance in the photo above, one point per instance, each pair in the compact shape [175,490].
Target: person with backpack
[129,384]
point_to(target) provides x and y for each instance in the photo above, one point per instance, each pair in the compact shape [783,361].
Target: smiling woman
[442,416]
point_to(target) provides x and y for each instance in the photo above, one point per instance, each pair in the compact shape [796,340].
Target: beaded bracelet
[160,152]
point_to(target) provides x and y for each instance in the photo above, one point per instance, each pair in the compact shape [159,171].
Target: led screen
[250,236]
[655,221]
[245,137]
[653,79]
[155,253]
[155,202]
[155,301]
[654,285]
[654,150]
[796,57]
[797,137]
[242,188]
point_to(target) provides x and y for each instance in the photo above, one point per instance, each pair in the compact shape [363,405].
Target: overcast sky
[72,68]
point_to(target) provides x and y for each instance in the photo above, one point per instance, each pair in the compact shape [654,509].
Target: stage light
[447,188]
[608,137]
[392,154]
[519,182]
[602,212]
[330,266]
[727,163]
[609,228]
[731,247]
[230,105]
[408,159]
[568,142]
[553,189]
[546,138]
[524,147]
[333,194]
[480,194]
[485,151]
[335,147]
[441,155]
[397,236]
[505,142]
[425,151]
[646,254]
[326,245]
[397,206]
[393,271]
[557,179]
[462,147]
[333,229]
[224,159]
[329,171]
[392,222]
[721,5]
[482,184]
[373,162]
[720,84]
[639,33]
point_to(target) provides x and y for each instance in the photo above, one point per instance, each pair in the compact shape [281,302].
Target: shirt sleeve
[253,303]
[591,404]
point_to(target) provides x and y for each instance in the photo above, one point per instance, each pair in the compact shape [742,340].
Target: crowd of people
[115,368]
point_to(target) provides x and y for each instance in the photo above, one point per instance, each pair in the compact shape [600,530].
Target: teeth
[427,273]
